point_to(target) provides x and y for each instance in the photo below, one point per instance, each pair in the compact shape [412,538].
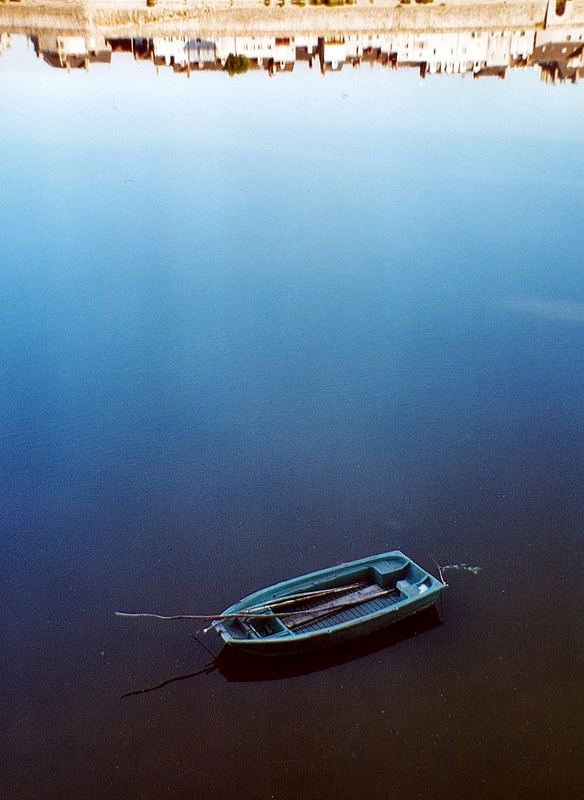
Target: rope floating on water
[206,670]
[463,568]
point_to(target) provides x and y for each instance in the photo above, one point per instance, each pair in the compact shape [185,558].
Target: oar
[292,599]
[296,598]
[372,592]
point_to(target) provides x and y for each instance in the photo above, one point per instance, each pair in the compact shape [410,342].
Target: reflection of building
[433,52]
[140,48]
[555,46]
[560,54]
[332,52]
[259,49]
[4,43]
[183,53]
[273,53]
[72,51]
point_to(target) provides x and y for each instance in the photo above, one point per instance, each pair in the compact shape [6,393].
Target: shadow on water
[242,667]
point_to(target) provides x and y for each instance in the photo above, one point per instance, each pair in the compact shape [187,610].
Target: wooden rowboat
[330,606]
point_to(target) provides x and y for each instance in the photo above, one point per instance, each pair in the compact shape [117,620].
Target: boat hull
[406,589]
[295,646]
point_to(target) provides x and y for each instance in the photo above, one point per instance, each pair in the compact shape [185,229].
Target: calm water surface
[250,328]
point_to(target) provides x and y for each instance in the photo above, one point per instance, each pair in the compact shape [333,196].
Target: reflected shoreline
[482,40]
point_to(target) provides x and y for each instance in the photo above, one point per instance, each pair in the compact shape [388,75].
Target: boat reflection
[236,666]
[241,667]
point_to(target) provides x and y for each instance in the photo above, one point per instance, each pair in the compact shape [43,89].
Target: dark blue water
[238,344]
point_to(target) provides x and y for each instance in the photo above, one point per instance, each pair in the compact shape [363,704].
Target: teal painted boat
[329,607]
